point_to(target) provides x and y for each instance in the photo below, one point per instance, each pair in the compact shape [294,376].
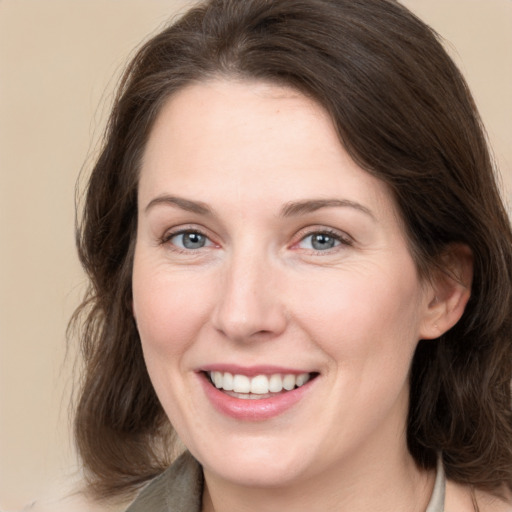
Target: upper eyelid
[173,234]
[300,235]
[169,234]
[308,231]
[165,240]
[178,230]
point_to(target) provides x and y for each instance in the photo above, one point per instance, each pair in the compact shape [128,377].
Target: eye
[189,240]
[322,241]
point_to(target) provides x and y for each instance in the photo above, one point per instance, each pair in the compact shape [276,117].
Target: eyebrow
[291,209]
[185,204]
[296,208]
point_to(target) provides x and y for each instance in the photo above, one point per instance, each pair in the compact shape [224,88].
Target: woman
[298,259]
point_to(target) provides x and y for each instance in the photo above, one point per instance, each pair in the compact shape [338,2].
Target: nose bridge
[249,305]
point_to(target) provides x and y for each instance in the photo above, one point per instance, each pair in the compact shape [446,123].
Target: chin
[251,473]
[256,463]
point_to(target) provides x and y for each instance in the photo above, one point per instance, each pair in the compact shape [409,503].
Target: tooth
[302,379]
[241,384]
[275,384]
[259,385]
[228,382]
[289,382]
[217,379]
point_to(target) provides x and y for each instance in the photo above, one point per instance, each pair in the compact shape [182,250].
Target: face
[276,299]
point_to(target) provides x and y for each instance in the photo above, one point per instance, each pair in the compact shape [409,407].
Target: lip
[252,410]
[252,371]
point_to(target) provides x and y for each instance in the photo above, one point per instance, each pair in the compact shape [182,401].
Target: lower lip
[253,410]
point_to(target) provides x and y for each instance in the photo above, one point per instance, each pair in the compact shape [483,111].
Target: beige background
[58,65]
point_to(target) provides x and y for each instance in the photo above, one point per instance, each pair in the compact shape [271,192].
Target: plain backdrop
[59,63]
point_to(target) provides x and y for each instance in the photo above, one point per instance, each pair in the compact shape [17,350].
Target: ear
[448,291]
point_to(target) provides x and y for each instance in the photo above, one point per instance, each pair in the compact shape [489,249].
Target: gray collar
[178,489]
[436,503]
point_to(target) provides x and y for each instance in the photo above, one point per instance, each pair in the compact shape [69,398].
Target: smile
[257,387]
[255,393]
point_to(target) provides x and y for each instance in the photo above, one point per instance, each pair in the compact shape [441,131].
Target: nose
[250,305]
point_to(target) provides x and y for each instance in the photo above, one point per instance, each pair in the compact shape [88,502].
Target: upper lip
[252,371]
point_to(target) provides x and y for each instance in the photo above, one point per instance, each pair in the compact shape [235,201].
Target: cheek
[369,315]
[170,308]
[368,328]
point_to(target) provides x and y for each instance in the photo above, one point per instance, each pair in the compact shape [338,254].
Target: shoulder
[65,495]
[180,485]
[72,503]
[459,499]
[490,503]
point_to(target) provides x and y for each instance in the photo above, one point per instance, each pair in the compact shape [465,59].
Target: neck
[391,482]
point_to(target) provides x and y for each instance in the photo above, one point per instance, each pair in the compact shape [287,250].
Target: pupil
[321,241]
[193,240]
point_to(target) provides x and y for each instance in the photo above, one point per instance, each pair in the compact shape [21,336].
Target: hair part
[404,114]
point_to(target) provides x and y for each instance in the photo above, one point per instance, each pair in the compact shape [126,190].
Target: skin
[258,293]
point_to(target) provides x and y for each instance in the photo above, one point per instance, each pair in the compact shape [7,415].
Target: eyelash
[168,236]
[343,239]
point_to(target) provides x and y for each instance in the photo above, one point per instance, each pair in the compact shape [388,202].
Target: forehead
[222,140]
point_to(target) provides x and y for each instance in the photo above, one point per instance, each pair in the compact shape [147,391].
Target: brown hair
[404,113]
